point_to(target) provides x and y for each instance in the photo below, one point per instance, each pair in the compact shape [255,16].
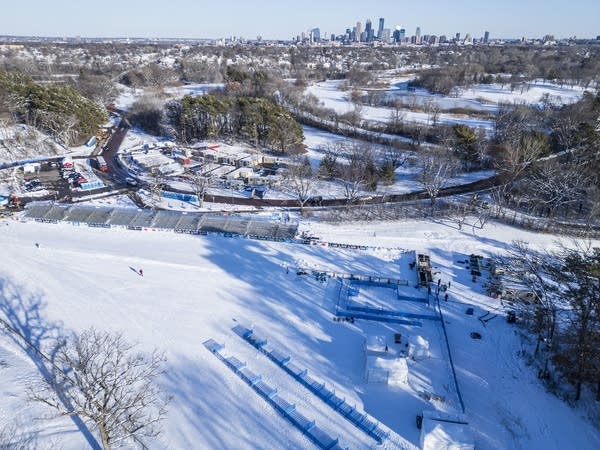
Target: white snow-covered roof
[445,431]
[396,369]
[375,344]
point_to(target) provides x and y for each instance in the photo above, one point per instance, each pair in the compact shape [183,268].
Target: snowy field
[481,98]
[330,96]
[196,288]
[486,97]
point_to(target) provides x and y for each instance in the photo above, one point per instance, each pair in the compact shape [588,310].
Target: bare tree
[576,274]
[12,438]
[435,174]
[516,159]
[557,186]
[299,179]
[395,155]
[529,268]
[360,173]
[156,187]
[108,385]
[397,115]
[200,185]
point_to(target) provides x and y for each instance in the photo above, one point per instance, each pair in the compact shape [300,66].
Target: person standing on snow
[141,273]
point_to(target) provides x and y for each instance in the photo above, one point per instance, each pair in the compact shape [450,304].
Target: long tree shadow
[289,310]
[39,338]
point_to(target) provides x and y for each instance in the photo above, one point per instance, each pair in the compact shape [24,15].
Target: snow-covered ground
[195,288]
[480,98]
[531,93]
[127,96]
[331,96]
[486,97]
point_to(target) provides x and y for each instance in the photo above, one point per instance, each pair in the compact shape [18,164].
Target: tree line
[55,109]
[564,314]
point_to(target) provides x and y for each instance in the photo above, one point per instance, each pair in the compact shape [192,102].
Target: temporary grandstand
[252,226]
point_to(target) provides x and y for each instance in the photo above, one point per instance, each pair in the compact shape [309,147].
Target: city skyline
[283,19]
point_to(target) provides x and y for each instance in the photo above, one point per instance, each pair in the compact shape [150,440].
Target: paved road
[115,180]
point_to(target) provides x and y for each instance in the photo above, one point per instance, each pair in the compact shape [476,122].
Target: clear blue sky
[282,19]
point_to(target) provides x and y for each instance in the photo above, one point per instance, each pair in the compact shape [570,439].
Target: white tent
[375,345]
[388,369]
[442,431]
[418,347]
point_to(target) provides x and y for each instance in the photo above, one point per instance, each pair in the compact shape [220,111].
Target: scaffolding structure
[252,226]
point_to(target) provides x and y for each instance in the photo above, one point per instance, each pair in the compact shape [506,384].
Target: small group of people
[443,288]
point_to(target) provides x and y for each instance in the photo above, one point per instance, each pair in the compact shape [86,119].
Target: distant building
[380,29]
[385,36]
[486,37]
[315,35]
[370,33]
[418,36]
[358,31]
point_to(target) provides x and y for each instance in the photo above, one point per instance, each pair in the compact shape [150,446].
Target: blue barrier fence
[361,420]
[308,427]
[412,299]
[460,399]
[91,185]
[389,312]
[188,198]
[378,318]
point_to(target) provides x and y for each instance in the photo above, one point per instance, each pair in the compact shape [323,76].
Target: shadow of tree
[39,338]
[289,309]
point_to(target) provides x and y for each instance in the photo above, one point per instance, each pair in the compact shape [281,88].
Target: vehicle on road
[131,181]
[99,163]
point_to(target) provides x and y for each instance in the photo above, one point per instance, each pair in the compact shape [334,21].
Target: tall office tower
[402,34]
[315,35]
[457,38]
[358,31]
[486,37]
[396,35]
[368,29]
[380,30]
[418,36]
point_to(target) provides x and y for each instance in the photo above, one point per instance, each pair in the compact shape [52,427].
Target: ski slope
[197,288]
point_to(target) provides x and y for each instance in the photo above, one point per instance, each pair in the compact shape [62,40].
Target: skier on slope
[141,273]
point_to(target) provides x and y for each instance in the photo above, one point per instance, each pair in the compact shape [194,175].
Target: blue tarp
[188,198]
